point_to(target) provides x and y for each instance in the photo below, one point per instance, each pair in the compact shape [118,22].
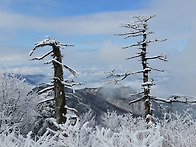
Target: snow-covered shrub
[178,130]
[17,103]
[17,113]
[173,131]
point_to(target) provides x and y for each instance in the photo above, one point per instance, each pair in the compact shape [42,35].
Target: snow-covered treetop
[48,42]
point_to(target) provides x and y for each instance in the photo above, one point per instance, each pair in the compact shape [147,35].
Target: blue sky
[60,8]
[90,26]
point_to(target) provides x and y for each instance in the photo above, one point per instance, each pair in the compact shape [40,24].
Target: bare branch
[177,98]
[40,58]
[139,43]
[155,40]
[46,100]
[150,17]
[45,90]
[160,57]
[149,83]
[130,33]
[63,46]
[137,93]
[48,42]
[71,70]
[139,34]
[71,109]
[133,57]
[174,101]
[48,62]
[133,45]
[136,100]
[156,69]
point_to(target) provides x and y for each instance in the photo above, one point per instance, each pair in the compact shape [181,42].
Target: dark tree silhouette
[58,82]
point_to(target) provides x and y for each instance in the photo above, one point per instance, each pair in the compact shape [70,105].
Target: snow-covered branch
[139,34]
[156,69]
[132,57]
[48,42]
[160,57]
[46,100]
[71,109]
[138,93]
[65,66]
[48,62]
[177,98]
[133,45]
[45,90]
[130,33]
[40,58]
[136,100]
[124,75]
[140,43]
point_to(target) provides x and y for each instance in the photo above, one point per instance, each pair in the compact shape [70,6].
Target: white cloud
[175,21]
[112,52]
[101,23]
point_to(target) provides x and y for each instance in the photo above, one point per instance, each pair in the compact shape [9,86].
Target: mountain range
[103,99]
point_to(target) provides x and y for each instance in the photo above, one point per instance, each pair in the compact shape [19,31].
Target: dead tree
[58,82]
[139,28]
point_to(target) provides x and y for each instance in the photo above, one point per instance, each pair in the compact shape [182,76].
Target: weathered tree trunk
[147,103]
[60,110]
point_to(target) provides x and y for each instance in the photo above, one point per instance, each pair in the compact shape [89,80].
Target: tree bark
[60,110]
[147,103]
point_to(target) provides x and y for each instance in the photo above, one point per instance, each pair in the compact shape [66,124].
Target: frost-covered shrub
[178,130]
[17,103]
[173,131]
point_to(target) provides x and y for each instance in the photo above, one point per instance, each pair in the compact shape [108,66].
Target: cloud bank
[174,21]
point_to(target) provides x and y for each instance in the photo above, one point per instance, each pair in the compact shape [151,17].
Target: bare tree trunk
[147,103]
[60,110]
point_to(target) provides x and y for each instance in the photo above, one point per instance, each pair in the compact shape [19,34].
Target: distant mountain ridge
[103,99]
[34,79]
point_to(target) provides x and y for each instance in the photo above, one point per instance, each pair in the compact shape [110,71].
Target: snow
[117,131]
[71,109]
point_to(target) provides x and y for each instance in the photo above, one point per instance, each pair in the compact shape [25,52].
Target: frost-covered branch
[139,27]
[134,34]
[46,89]
[121,76]
[58,83]
[48,42]
[71,109]
[148,83]
[40,58]
[177,98]
[136,100]
[124,75]
[138,93]
[140,43]
[46,100]
[156,69]
[132,57]
[160,57]
[65,66]
[133,45]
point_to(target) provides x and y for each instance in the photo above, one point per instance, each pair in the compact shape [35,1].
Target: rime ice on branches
[139,28]
[58,83]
